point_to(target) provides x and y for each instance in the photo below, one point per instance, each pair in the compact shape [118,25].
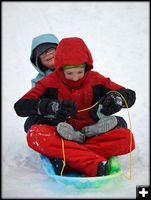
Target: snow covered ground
[117,34]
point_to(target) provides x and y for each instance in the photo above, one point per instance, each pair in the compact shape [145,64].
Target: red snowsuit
[85,92]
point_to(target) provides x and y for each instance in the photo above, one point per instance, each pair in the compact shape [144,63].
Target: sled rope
[63,152]
[64,158]
[85,109]
[130,161]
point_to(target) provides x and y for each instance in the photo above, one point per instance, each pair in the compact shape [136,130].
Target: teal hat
[74,66]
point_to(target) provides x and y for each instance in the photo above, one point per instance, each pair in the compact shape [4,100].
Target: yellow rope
[130,134]
[89,107]
[130,176]
[64,158]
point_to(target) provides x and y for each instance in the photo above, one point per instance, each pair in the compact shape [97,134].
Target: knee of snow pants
[117,141]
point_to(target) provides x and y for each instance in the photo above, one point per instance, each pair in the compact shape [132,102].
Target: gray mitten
[105,124]
[66,131]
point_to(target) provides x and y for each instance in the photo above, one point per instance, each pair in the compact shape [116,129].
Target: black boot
[102,168]
[57,164]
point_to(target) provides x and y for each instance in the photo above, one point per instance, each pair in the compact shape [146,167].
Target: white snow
[117,34]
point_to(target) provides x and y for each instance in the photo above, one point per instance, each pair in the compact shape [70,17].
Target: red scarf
[69,83]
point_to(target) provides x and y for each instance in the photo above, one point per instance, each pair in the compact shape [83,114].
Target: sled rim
[86,182]
[87,178]
[79,182]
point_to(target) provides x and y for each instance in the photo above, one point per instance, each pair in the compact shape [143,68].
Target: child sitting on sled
[66,93]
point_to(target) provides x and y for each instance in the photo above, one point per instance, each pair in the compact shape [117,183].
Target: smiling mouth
[49,60]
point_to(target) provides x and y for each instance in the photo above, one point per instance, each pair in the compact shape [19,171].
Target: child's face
[47,58]
[74,74]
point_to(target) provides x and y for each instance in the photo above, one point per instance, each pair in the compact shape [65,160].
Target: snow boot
[102,169]
[108,167]
[57,164]
[113,166]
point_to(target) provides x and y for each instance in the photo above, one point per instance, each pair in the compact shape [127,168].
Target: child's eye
[80,72]
[69,73]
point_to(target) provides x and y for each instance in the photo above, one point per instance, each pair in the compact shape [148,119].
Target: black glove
[66,109]
[61,109]
[47,106]
[111,103]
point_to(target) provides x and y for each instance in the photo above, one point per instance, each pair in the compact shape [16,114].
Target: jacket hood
[39,40]
[72,51]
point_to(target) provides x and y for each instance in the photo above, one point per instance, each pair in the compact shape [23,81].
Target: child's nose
[76,78]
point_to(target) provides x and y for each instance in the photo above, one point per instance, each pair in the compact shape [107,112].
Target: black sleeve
[129,96]
[26,107]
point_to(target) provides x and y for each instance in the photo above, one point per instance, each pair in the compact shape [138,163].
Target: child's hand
[61,109]
[66,109]
[111,103]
